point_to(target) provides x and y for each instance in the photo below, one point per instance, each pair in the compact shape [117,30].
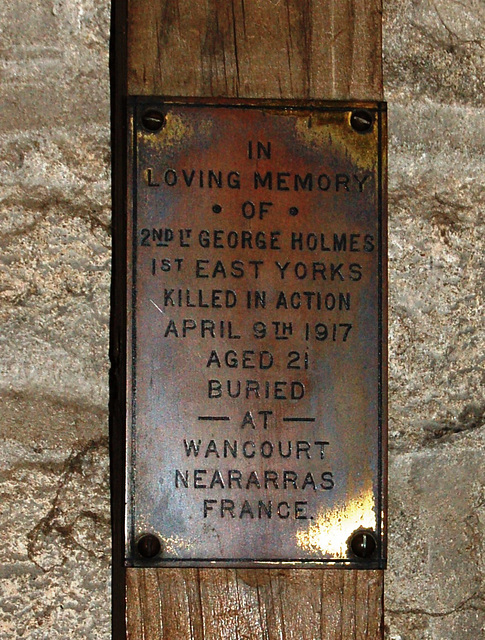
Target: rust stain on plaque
[256,334]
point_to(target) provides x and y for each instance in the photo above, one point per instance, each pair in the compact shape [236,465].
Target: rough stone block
[435,582]
[54,542]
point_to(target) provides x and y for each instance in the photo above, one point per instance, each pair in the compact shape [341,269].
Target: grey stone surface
[434,52]
[55,553]
[54,297]
[55,261]
[435,584]
[54,294]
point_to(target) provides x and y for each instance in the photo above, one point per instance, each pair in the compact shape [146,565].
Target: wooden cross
[296,50]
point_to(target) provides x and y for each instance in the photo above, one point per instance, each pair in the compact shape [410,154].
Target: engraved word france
[254,334]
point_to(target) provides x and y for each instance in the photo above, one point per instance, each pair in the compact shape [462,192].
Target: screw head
[363,544]
[361,120]
[149,546]
[153,120]
[216,208]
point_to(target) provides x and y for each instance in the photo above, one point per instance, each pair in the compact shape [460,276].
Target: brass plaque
[256,334]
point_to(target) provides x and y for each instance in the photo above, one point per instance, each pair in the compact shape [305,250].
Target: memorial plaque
[256,334]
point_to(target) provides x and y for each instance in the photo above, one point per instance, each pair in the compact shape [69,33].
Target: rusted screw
[149,546]
[363,544]
[153,120]
[361,121]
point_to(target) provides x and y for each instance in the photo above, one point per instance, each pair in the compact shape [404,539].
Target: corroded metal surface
[256,328]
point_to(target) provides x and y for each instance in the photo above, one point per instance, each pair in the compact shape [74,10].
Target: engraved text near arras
[258,301]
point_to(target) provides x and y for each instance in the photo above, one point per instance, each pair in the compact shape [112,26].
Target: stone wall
[55,279]
[55,258]
[435,73]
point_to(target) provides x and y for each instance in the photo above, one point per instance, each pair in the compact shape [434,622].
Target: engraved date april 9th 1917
[197,269]
[257,281]
[200,269]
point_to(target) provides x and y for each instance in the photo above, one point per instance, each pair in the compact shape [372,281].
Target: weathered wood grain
[297,49]
[253,604]
[256,48]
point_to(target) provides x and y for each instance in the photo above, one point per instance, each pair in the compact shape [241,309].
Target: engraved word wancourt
[256,333]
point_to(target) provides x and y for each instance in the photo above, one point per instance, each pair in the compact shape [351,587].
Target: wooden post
[292,49]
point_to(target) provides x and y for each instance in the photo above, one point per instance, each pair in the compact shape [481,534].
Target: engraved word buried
[256,334]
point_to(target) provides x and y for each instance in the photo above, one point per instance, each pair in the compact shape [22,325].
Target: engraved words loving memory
[256,325]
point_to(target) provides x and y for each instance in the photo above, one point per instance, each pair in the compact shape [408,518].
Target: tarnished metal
[256,334]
